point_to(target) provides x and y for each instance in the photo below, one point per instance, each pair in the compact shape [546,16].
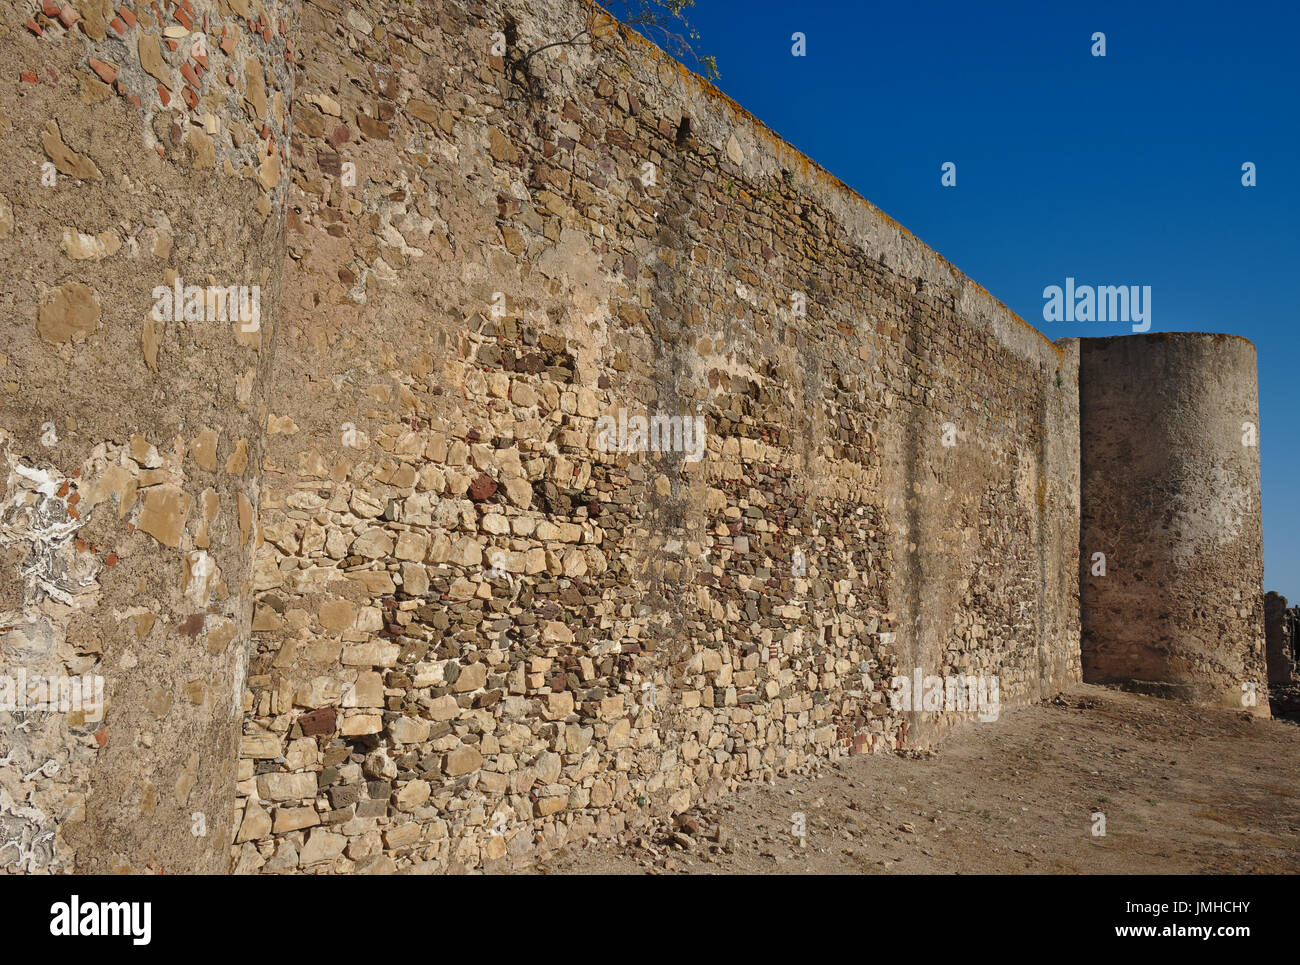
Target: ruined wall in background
[1281,627]
[142,143]
[1170,463]
[1279,638]
[478,635]
[1281,624]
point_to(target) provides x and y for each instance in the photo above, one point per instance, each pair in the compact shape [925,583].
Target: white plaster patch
[34,517]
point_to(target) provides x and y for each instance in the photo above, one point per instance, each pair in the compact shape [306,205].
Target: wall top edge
[1163,337]
[941,270]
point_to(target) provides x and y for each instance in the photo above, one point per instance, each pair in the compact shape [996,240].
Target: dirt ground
[1182,790]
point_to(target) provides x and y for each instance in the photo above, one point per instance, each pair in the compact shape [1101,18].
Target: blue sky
[1123,169]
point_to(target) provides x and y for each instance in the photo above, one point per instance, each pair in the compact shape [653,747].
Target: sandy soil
[1183,791]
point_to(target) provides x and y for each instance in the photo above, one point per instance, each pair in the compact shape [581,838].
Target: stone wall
[477,634]
[388,596]
[1170,462]
[144,143]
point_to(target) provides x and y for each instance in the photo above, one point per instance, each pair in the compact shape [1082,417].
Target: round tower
[143,246]
[1171,547]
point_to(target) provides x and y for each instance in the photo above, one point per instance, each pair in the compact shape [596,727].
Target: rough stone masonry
[369,587]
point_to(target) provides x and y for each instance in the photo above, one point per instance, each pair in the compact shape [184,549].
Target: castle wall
[387,599]
[129,447]
[477,634]
[1170,464]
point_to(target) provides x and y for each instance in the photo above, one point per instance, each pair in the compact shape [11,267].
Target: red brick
[191,78]
[49,8]
[28,77]
[117,25]
[163,95]
[190,98]
[184,18]
[107,72]
[68,16]
[33,26]
[318,722]
[128,15]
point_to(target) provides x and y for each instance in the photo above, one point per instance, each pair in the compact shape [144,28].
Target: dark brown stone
[484,487]
[318,722]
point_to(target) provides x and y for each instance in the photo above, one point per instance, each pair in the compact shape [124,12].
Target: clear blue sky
[1117,170]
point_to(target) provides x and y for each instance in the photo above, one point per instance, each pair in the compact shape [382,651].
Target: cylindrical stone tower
[1170,542]
[141,246]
